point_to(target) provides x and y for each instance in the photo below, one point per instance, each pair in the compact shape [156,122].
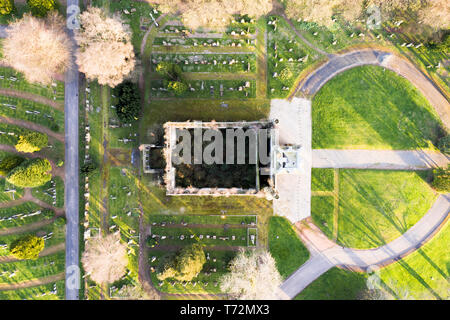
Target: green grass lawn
[32,111]
[375,207]
[52,192]
[9,78]
[335,284]
[25,270]
[50,291]
[206,282]
[322,179]
[23,214]
[285,246]
[424,274]
[322,208]
[372,108]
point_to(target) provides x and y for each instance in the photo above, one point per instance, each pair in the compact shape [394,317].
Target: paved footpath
[72,178]
[378,159]
[326,254]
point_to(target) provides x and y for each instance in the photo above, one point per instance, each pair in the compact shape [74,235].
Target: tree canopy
[253,276]
[186,264]
[105,51]
[27,247]
[40,8]
[213,13]
[6,6]
[30,173]
[8,163]
[129,105]
[105,259]
[31,142]
[39,48]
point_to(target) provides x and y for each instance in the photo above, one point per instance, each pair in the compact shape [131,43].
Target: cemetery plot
[287,57]
[121,135]
[187,220]
[25,270]
[174,236]
[32,111]
[208,62]
[138,15]
[52,192]
[9,134]
[337,37]
[213,89]
[53,234]
[124,207]
[23,214]
[11,79]
[188,42]
[9,192]
[50,291]
[206,282]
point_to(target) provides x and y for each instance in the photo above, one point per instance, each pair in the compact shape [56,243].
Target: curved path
[326,254]
[33,126]
[32,97]
[339,63]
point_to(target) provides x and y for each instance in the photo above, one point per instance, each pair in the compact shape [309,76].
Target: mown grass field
[372,108]
[285,246]
[424,274]
[375,207]
[335,284]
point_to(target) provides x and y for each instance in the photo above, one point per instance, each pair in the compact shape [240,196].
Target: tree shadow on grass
[375,200]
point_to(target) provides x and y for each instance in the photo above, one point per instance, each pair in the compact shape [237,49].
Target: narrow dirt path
[33,126]
[32,97]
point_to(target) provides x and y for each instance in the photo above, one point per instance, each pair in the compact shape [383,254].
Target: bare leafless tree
[40,48]
[105,259]
[253,276]
[105,51]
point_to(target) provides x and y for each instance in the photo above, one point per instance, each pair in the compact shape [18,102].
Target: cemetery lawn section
[335,284]
[424,273]
[393,114]
[27,108]
[285,246]
[377,206]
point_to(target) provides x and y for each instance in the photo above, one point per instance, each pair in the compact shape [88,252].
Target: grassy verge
[285,246]
[375,207]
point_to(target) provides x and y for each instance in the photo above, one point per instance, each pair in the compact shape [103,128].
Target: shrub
[88,168]
[40,8]
[60,221]
[31,173]
[6,7]
[8,163]
[31,142]
[286,75]
[441,179]
[186,265]
[177,87]
[444,144]
[169,70]
[27,247]
[129,104]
